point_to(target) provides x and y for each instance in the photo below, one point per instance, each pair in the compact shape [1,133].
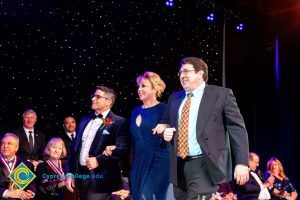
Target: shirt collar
[104,114]
[70,134]
[197,91]
[26,129]
[10,160]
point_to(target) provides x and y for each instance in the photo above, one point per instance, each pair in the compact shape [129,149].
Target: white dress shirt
[88,136]
[264,192]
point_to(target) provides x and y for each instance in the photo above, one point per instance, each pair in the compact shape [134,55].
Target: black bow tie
[95,116]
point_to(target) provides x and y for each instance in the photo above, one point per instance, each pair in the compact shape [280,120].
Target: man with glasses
[204,122]
[97,175]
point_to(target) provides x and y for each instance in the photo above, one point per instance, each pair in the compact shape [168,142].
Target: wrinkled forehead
[8,139]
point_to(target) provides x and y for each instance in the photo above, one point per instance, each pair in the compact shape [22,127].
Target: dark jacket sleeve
[122,144]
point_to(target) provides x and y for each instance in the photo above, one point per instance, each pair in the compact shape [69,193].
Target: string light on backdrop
[214,12]
[170,3]
[240,27]
[211,17]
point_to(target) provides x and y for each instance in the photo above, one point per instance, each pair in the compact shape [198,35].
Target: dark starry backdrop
[53,53]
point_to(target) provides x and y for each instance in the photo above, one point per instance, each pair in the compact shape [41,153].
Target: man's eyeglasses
[98,96]
[185,71]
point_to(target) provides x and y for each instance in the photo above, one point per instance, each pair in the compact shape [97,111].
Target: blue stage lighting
[240,27]
[170,3]
[210,17]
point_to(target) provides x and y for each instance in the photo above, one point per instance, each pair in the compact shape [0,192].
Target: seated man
[255,188]
[8,162]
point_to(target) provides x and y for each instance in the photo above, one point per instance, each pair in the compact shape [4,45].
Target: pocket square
[105,132]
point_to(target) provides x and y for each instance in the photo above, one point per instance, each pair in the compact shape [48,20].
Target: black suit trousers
[193,179]
[86,192]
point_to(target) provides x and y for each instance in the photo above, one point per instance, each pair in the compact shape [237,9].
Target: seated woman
[282,186]
[50,173]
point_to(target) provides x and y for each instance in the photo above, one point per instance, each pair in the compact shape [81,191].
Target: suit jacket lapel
[99,132]
[25,139]
[68,139]
[177,105]
[78,139]
[5,172]
[36,141]
[206,105]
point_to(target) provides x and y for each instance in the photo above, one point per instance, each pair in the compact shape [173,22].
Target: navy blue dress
[150,168]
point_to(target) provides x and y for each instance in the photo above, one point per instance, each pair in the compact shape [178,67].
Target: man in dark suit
[8,162]
[69,134]
[256,187]
[94,133]
[213,122]
[33,141]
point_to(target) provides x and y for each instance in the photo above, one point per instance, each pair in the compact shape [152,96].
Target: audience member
[50,174]
[8,162]
[33,141]
[69,134]
[255,188]
[282,186]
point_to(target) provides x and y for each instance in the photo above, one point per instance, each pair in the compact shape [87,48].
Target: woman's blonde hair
[157,83]
[53,141]
[280,167]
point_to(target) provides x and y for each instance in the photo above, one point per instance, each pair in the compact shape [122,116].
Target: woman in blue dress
[150,166]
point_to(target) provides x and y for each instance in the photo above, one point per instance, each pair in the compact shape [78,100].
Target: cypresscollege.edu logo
[75,176]
[22,176]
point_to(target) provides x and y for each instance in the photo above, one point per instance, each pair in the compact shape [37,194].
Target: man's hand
[108,150]
[70,184]
[91,163]
[241,174]
[17,194]
[159,129]
[168,134]
[26,195]
[269,182]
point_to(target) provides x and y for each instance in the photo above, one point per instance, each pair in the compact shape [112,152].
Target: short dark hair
[109,92]
[198,65]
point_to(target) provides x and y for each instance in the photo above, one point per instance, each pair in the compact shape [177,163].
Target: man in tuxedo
[94,133]
[256,187]
[69,134]
[8,162]
[33,141]
[205,122]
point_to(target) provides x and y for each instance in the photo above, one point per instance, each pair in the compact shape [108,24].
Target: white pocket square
[105,132]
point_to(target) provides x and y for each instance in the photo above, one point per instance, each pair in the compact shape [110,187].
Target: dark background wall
[53,53]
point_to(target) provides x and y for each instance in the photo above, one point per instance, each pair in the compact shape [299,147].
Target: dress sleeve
[288,186]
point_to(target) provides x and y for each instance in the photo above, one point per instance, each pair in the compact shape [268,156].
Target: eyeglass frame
[185,71]
[97,96]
